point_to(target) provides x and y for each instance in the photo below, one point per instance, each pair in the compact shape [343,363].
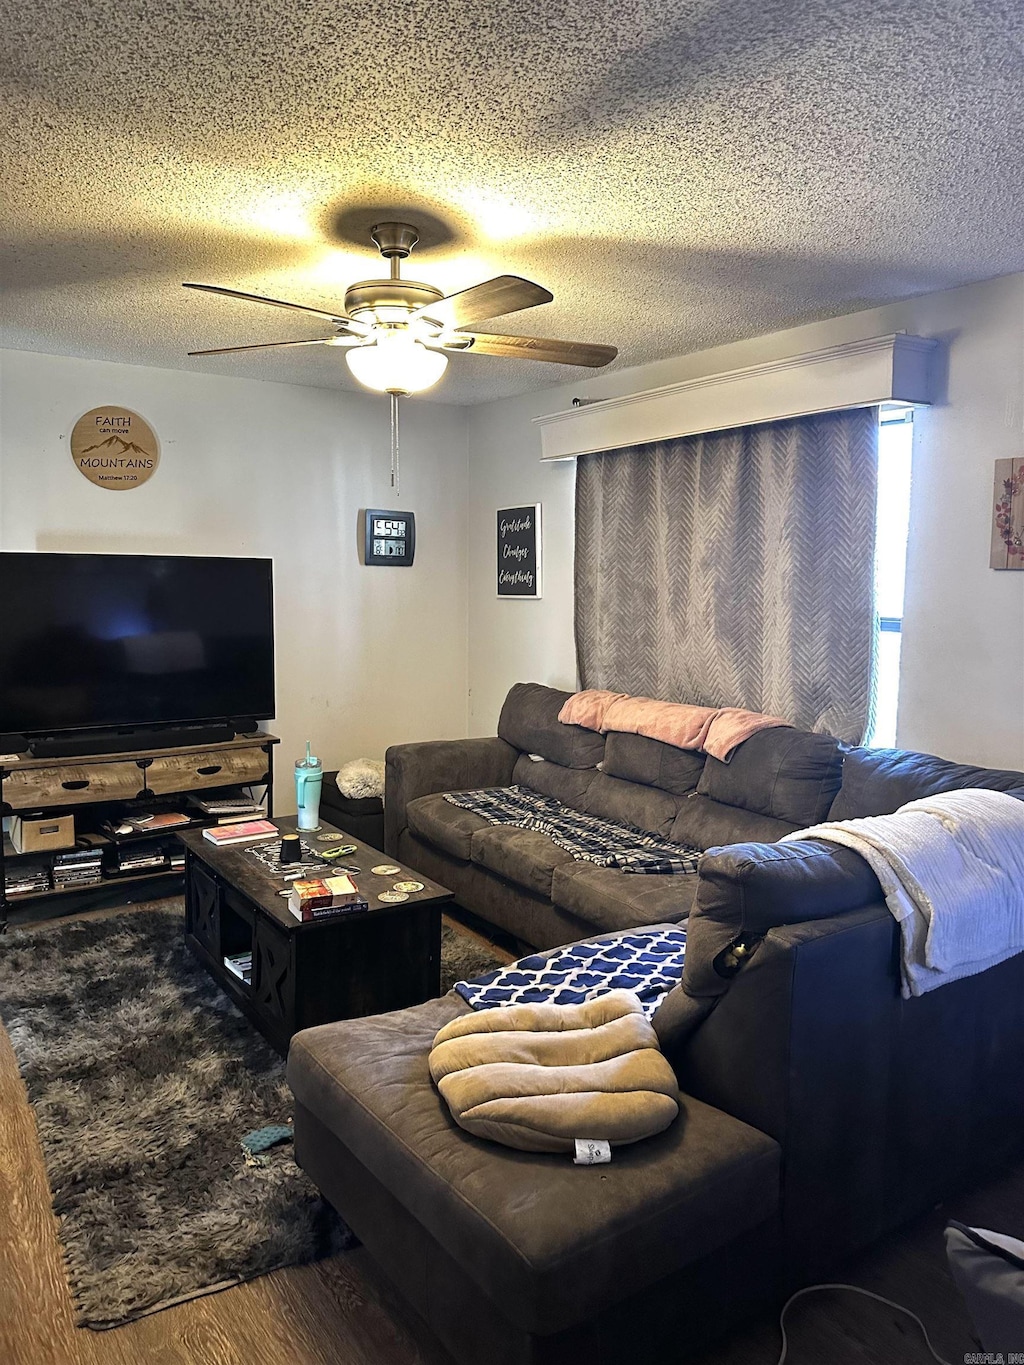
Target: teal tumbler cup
[309,776]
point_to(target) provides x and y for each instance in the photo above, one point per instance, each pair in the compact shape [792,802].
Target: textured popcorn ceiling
[679,175]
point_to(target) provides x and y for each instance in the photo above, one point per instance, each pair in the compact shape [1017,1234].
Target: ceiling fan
[398,333]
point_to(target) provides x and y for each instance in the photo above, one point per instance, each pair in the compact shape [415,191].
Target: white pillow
[361,777]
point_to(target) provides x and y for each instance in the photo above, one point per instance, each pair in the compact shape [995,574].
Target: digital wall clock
[388,537]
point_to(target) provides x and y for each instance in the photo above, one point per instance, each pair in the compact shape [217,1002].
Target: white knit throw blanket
[952,869]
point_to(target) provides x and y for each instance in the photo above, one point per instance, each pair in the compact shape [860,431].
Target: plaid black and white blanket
[587,837]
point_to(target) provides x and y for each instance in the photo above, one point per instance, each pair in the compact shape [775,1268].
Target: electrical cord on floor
[854,1289]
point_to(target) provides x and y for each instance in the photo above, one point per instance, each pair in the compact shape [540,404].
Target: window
[895,438]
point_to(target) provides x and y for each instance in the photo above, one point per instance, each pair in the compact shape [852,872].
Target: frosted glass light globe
[396,363]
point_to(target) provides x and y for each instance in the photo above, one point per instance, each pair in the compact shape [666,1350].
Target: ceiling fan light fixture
[396,363]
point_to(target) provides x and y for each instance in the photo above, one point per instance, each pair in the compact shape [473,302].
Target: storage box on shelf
[42,834]
[98,794]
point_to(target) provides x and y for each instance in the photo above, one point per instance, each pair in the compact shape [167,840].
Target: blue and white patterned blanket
[648,962]
[588,838]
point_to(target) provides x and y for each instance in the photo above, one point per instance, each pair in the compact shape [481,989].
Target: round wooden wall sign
[114,448]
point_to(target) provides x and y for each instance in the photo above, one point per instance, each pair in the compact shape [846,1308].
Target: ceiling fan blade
[262,345]
[275,303]
[492,299]
[544,348]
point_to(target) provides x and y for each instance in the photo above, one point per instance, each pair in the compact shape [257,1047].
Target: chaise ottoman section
[550,1245]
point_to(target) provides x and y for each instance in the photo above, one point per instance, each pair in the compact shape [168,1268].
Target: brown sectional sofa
[776,782]
[819,1108]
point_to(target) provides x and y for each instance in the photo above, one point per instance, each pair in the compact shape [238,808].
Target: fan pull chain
[394,445]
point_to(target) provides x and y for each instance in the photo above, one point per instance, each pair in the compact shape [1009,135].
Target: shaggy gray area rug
[463,958]
[144,1078]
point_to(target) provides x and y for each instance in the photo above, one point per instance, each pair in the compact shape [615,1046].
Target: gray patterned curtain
[735,569]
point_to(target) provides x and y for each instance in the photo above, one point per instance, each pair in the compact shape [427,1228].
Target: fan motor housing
[369,295]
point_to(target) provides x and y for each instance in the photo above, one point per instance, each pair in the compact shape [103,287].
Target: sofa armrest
[881,1105]
[843,971]
[439,765]
[746,890]
[801,1047]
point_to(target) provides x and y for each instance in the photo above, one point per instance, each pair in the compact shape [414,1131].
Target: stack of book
[141,859]
[240,965]
[228,812]
[319,897]
[19,880]
[80,868]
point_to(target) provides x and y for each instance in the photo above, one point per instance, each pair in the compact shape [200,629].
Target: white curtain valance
[857,374]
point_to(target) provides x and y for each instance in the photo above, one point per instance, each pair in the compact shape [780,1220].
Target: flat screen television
[93,641]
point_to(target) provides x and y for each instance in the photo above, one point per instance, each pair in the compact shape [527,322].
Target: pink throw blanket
[687,727]
[588,708]
[732,725]
[717,730]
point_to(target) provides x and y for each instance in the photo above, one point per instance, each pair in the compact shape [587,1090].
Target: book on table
[240,833]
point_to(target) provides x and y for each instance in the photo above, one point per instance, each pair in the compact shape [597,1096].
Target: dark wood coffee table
[310,973]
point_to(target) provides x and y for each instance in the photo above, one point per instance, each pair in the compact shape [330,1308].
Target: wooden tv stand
[98,787]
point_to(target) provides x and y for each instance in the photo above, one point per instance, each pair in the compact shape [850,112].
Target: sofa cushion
[631,803]
[533,921]
[537,1077]
[519,855]
[703,823]
[609,899]
[568,785]
[445,826]
[879,781]
[784,773]
[639,759]
[529,721]
[550,1243]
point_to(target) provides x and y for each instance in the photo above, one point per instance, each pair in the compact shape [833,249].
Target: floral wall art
[1008,516]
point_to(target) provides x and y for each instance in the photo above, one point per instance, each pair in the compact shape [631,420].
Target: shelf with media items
[103,829]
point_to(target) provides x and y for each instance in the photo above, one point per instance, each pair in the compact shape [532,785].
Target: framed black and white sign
[519,551]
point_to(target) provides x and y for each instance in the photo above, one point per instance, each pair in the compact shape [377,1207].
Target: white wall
[962,683]
[366,657]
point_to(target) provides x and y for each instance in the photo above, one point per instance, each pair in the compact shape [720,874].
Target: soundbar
[78,742]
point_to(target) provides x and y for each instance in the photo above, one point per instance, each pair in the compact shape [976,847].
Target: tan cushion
[537,1077]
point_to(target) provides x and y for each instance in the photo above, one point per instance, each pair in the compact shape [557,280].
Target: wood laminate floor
[343,1312]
